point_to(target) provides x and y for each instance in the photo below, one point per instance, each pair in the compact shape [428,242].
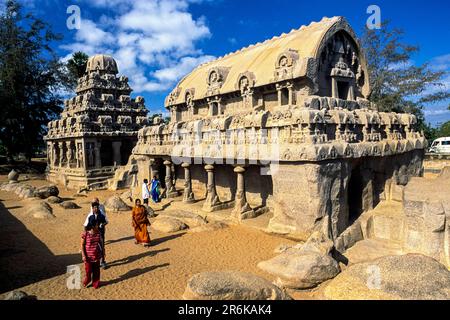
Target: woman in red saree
[139,221]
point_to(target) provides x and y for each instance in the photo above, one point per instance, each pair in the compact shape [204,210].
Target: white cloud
[154,42]
[440,63]
[185,66]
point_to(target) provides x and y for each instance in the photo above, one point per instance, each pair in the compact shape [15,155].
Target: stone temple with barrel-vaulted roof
[284,127]
[97,129]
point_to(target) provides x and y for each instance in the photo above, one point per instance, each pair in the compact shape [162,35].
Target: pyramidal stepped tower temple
[97,129]
[281,126]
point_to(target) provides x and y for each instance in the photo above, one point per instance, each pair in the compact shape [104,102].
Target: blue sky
[156,42]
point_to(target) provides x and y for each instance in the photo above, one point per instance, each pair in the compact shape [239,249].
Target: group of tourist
[93,238]
[152,189]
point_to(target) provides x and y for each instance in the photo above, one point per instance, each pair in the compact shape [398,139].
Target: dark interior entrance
[106,154]
[355,195]
[343,88]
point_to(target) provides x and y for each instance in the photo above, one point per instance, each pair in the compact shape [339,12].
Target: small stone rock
[231,285]
[54,199]
[116,204]
[46,191]
[13,176]
[168,225]
[192,220]
[69,205]
[213,226]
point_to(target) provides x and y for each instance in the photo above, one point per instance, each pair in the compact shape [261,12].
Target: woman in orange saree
[139,221]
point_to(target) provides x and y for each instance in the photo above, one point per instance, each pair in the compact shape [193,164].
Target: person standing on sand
[155,190]
[145,192]
[98,213]
[139,221]
[92,252]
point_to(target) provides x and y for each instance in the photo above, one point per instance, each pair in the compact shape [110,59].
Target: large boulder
[231,285]
[40,210]
[168,224]
[16,295]
[116,204]
[13,176]
[298,269]
[46,191]
[192,220]
[69,205]
[407,277]
[305,265]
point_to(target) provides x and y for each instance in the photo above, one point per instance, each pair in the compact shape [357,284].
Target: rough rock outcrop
[168,224]
[231,285]
[24,191]
[116,204]
[46,191]
[407,277]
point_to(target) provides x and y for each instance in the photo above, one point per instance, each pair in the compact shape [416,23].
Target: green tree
[444,130]
[398,85]
[31,75]
[76,67]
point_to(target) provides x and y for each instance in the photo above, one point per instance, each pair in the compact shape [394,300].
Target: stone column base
[218,206]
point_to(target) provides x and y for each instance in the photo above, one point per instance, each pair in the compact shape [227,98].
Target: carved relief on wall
[284,66]
[216,79]
[173,96]
[246,82]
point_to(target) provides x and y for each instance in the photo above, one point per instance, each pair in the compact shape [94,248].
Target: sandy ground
[34,254]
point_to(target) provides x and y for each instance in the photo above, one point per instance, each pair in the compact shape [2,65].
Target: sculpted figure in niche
[244,85]
[213,78]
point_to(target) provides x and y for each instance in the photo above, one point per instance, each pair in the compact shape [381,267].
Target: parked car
[441,145]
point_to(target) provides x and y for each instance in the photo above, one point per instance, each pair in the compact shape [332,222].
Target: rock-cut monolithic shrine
[97,130]
[283,126]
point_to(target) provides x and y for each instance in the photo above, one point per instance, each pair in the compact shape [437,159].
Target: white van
[441,145]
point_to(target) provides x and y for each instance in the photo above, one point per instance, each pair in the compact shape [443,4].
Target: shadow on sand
[136,257]
[134,273]
[24,259]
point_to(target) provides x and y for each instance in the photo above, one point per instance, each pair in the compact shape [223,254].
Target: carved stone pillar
[69,153]
[98,159]
[50,154]
[54,155]
[188,196]
[61,153]
[242,209]
[171,191]
[154,169]
[80,155]
[291,94]
[351,91]
[212,199]
[334,88]
[116,145]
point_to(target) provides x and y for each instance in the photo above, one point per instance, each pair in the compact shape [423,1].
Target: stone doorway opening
[355,195]
[106,154]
